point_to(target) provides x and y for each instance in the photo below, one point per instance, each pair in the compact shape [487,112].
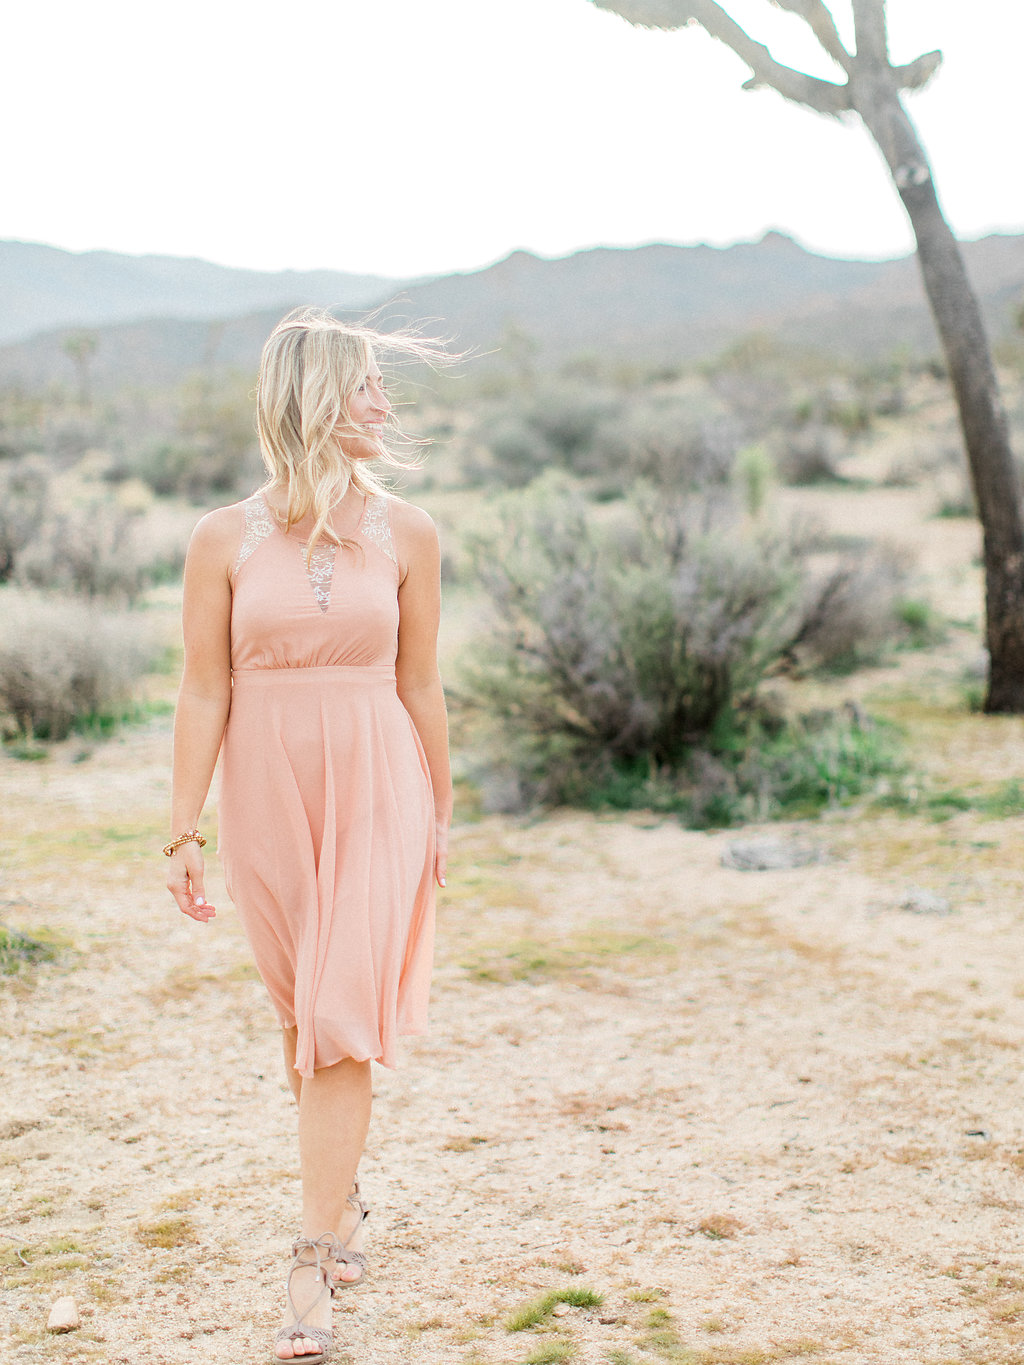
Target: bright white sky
[408,137]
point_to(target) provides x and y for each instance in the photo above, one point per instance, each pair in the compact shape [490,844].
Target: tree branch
[870,32]
[823,26]
[919,72]
[663,14]
[823,96]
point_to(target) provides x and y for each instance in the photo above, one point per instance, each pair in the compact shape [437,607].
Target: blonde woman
[310,624]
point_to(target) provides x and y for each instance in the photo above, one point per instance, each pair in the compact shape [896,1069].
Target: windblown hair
[312,366]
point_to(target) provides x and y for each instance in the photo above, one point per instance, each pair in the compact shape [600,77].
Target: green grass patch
[1003,802]
[19,950]
[164,1233]
[758,772]
[550,1352]
[921,624]
[540,1309]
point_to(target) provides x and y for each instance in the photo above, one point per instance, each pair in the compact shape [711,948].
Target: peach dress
[326,813]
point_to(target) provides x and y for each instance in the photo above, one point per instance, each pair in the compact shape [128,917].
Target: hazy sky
[409,137]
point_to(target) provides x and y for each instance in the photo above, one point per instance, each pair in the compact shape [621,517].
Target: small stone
[770,855]
[919,901]
[64,1316]
[561,1309]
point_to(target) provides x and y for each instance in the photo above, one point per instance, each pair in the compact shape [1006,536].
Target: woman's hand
[185,882]
[441,852]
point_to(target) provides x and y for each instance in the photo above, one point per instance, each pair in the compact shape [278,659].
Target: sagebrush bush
[24,491]
[662,441]
[627,649]
[810,454]
[855,611]
[72,534]
[624,638]
[66,664]
[197,467]
[672,440]
[92,549]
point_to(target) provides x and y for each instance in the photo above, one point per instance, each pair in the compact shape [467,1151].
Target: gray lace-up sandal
[341,1252]
[307,1254]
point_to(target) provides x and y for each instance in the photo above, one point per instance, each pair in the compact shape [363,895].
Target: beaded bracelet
[190,836]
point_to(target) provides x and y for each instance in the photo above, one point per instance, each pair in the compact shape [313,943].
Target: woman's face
[368,407]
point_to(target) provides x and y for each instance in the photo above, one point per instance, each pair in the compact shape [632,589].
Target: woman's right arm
[204,697]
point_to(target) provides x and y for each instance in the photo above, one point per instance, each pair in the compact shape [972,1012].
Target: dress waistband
[337,673]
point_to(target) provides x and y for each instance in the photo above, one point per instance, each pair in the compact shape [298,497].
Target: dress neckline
[367,499]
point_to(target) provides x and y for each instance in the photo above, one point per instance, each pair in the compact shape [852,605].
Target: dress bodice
[335,607]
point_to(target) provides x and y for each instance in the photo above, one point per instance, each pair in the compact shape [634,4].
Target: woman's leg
[350,1226]
[291,1041]
[334,1117]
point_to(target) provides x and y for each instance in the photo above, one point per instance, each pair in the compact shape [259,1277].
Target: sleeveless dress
[326,817]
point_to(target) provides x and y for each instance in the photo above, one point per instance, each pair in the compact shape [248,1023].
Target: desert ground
[758,1115]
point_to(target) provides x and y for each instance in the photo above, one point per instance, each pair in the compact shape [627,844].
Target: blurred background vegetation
[649,562]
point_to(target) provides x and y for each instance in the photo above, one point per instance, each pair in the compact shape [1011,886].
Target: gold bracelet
[190,836]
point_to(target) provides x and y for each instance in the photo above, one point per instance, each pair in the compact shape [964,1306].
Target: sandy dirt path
[766,1116]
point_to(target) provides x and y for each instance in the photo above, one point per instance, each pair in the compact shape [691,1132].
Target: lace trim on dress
[376,526]
[258,525]
[320,570]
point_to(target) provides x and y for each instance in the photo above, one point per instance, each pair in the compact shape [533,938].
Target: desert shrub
[568,419]
[665,441]
[92,549]
[627,650]
[199,443]
[66,665]
[809,454]
[518,452]
[24,490]
[672,440]
[21,414]
[855,611]
[753,477]
[193,467]
[543,429]
[70,534]
[626,639]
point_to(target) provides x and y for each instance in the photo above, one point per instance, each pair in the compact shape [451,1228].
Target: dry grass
[168,1232]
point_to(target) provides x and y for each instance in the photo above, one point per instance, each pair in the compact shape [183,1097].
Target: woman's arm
[419,682]
[204,697]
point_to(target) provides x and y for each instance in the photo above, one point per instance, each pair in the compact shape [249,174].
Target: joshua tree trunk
[994,477]
[872,91]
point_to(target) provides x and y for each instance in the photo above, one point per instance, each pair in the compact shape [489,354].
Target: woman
[310,623]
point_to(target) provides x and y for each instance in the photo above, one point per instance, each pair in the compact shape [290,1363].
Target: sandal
[307,1254]
[340,1250]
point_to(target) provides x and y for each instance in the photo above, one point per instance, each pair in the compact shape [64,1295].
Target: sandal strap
[356,1200]
[323,1336]
[304,1248]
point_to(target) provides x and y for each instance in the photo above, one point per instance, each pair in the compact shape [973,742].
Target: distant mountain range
[156,319]
[44,287]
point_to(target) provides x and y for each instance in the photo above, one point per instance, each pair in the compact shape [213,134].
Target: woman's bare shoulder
[411,521]
[415,537]
[216,534]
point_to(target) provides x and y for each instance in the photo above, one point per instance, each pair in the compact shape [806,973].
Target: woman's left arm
[419,681]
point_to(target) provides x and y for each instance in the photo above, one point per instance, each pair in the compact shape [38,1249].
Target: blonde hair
[311,367]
